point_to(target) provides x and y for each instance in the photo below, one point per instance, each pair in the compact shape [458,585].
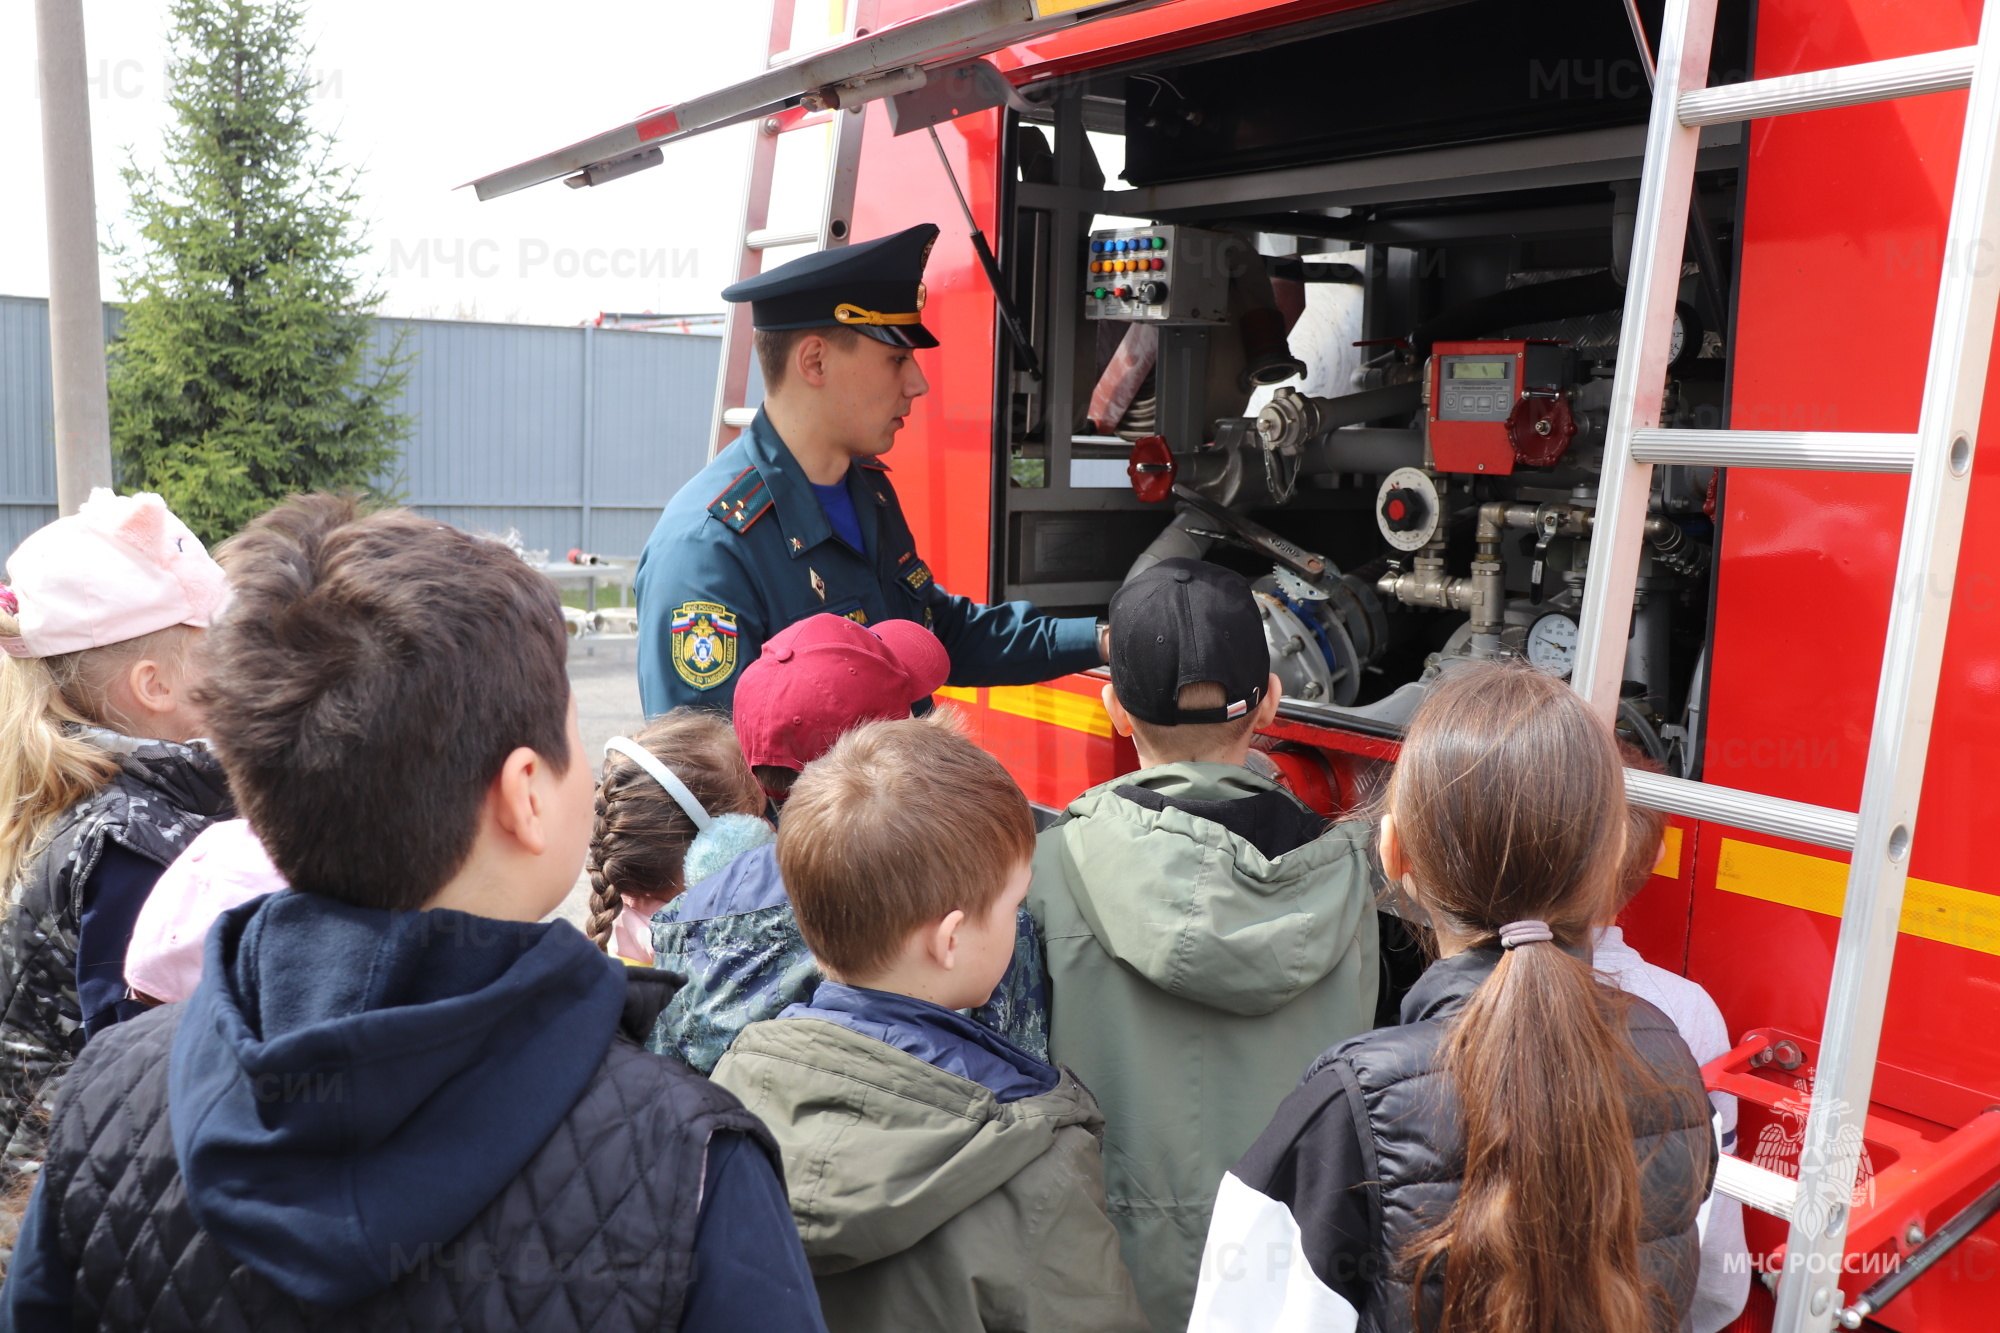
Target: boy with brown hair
[398,1098]
[941,1177]
[1207,936]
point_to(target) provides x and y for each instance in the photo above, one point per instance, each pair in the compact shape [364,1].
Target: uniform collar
[800,517]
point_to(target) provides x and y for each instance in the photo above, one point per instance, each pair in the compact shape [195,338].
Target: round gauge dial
[1552,645]
[1677,343]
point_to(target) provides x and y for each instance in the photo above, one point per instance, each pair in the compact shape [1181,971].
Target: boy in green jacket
[941,1177]
[1207,935]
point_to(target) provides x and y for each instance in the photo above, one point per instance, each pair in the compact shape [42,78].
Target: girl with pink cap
[101,620]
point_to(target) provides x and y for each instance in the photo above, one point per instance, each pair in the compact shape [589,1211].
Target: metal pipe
[1375,451]
[1291,418]
[1942,1242]
[76,299]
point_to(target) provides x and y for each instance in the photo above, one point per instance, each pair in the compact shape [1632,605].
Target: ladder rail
[833,228]
[1899,741]
[1816,824]
[732,377]
[1644,334]
[1812,451]
[1824,89]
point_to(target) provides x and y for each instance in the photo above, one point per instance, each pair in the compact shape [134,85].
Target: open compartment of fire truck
[1350,326]
[1332,291]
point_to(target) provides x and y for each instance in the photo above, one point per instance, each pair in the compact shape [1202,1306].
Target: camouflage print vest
[162,796]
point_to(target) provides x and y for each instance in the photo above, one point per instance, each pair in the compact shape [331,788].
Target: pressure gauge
[1552,645]
[1685,344]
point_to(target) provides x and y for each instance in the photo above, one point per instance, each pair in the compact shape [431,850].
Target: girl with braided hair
[677,802]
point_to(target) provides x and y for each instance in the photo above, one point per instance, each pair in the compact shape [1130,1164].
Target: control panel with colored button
[1159,275]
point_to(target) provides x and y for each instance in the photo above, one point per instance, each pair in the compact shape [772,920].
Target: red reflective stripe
[658,125]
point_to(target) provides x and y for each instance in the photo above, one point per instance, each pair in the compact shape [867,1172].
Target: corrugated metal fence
[573,436]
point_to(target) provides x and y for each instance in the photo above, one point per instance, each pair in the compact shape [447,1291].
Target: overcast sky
[424,96]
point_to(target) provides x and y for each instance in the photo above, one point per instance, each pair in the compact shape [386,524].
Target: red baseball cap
[823,676]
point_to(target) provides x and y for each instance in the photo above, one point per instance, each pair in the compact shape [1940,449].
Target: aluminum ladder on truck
[1938,461]
[828,230]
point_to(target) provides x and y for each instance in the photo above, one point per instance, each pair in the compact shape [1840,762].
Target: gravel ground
[605,677]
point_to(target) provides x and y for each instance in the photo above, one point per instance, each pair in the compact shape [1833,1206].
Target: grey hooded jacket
[1192,980]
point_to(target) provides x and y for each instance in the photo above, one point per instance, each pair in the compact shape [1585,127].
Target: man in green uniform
[798,516]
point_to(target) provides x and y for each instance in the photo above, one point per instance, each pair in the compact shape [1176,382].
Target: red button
[1394,509]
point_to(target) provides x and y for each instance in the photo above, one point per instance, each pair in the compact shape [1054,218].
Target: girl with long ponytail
[1528,1150]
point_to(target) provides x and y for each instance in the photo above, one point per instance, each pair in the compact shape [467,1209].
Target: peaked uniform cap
[876,287]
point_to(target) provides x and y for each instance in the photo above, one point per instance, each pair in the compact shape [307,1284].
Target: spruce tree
[243,369]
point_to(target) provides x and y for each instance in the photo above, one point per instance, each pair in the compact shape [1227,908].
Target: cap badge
[923,294]
[818,583]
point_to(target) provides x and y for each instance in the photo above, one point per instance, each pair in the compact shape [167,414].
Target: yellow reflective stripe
[1044,8]
[1669,863]
[1077,712]
[1931,911]
[958,692]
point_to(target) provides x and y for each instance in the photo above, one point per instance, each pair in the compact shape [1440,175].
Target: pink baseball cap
[119,567]
[825,675]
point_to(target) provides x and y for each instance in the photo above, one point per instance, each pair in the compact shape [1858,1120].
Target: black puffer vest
[162,796]
[1416,1146]
[596,1232]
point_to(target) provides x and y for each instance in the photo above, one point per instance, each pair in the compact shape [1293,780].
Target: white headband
[663,775]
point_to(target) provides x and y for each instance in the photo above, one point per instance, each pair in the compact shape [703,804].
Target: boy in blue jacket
[397,1097]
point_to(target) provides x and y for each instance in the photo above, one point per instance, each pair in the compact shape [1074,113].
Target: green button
[1159,242]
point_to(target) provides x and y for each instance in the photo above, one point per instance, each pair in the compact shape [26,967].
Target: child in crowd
[677,803]
[101,777]
[735,937]
[1530,1148]
[1724,1287]
[223,868]
[1207,935]
[398,1098]
[941,1176]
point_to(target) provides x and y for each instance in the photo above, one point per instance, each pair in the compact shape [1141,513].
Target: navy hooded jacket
[350,1084]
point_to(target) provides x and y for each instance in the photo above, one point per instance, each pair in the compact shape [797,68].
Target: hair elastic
[8,602]
[1517,933]
[663,775]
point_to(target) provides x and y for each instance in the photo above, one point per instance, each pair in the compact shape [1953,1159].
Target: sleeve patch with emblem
[704,643]
[917,576]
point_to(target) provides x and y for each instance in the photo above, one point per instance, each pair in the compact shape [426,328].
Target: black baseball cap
[1180,622]
[875,287]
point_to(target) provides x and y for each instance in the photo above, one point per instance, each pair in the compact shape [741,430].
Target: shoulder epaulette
[743,501]
[872,464]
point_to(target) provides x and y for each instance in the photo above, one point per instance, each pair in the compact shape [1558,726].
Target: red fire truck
[1487,328]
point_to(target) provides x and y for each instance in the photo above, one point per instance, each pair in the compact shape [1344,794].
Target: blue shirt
[838,506]
[934,1034]
[746,548]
